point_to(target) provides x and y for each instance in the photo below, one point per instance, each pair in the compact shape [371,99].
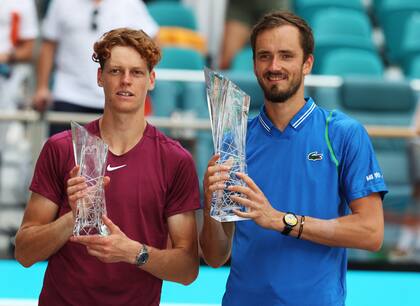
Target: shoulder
[61,139]
[58,147]
[341,125]
[170,148]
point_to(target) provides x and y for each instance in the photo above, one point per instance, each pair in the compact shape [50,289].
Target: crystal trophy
[228,108]
[90,154]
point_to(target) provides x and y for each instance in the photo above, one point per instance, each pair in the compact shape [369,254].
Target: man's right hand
[214,179]
[42,99]
[77,188]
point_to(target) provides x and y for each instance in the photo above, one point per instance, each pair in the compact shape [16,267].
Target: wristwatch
[290,221]
[142,256]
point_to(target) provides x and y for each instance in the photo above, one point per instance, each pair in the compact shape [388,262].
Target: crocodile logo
[314,156]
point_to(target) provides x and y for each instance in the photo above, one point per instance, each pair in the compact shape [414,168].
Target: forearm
[216,241]
[38,242]
[348,231]
[45,64]
[351,231]
[22,52]
[177,264]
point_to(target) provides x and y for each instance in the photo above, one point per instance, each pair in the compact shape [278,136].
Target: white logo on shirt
[372,176]
[109,168]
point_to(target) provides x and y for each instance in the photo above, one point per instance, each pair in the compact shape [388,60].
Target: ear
[152,79]
[307,65]
[99,77]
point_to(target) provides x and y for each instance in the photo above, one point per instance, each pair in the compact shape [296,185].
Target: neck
[121,131]
[280,114]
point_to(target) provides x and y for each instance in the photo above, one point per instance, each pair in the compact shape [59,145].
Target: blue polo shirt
[296,171]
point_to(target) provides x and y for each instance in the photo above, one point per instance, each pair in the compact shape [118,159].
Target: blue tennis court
[20,287]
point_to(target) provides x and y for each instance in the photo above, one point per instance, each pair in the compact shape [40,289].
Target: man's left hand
[116,247]
[259,208]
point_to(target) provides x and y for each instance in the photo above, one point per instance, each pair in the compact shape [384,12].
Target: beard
[274,94]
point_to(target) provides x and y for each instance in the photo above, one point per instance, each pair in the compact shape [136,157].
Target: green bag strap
[327,139]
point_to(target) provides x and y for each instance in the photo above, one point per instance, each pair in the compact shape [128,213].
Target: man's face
[278,64]
[126,80]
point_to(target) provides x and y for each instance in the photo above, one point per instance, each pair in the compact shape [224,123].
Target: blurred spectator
[408,245]
[69,30]
[18,30]
[240,16]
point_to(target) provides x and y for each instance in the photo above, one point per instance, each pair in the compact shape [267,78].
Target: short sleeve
[360,171]
[183,193]
[51,25]
[49,177]
[29,24]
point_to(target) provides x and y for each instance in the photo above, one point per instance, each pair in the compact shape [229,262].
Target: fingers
[213,160]
[243,201]
[93,251]
[243,214]
[106,181]
[249,182]
[242,189]
[111,226]
[90,240]
[74,171]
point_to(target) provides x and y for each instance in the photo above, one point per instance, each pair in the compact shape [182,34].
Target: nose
[126,77]
[275,63]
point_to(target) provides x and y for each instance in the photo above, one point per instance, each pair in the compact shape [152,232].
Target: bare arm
[42,97]
[215,237]
[21,53]
[179,264]
[41,234]
[362,229]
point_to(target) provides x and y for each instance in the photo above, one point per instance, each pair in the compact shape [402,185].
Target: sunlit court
[21,287]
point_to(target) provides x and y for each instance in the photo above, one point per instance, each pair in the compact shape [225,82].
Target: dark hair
[126,37]
[279,18]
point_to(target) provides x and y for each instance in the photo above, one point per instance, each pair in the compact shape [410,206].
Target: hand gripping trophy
[228,108]
[90,154]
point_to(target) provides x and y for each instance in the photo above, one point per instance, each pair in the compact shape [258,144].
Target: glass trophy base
[88,230]
[228,218]
[227,215]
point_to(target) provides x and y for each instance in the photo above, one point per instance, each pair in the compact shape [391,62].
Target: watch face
[144,257]
[290,219]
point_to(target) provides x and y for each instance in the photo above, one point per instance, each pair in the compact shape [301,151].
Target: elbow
[214,263]
[215,257]
[22,259]
[375,243]
[375,240]
[190,277]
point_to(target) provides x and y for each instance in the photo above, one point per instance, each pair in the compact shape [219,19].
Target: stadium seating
[174,14]
[340,28]
[184,99]
[388,103]
[308,8]
[393,16]
[243,60]
[169,96]
[409,54]
[347,62]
